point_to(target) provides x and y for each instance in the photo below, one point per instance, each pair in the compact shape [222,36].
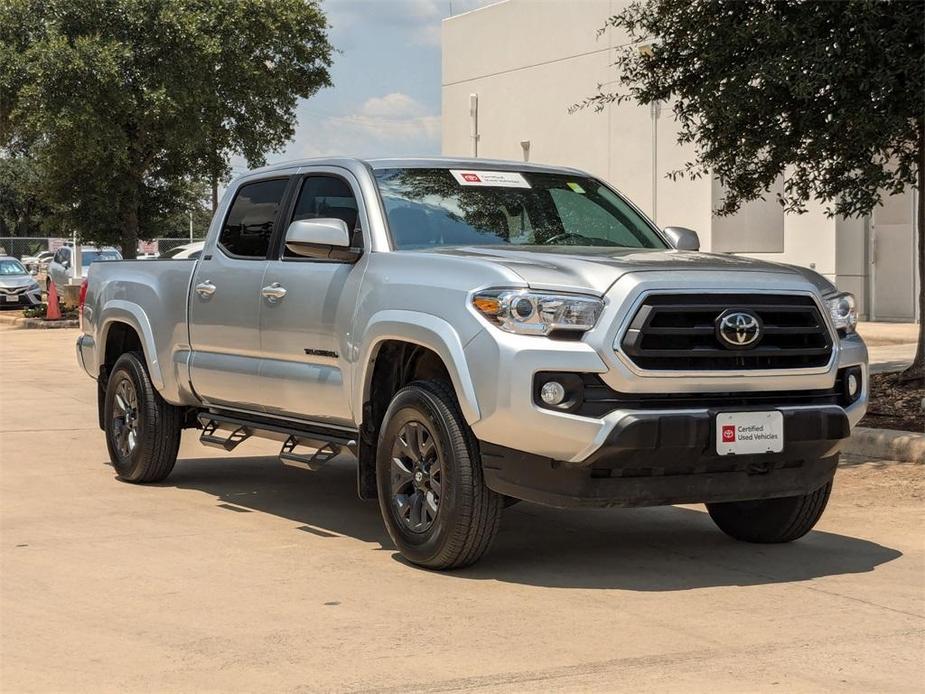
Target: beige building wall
[528,61]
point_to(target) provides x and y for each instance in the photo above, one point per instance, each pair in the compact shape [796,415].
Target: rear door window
[249,225]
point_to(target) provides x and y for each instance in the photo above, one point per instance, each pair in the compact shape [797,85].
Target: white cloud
[389,125]
[393,105]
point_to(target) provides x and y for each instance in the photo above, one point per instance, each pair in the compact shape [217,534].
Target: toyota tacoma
[475,333]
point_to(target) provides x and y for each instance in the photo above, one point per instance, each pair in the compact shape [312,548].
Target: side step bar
[227,431]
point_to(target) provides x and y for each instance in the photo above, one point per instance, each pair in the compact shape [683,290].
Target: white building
[511,71]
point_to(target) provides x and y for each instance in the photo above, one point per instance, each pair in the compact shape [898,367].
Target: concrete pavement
[239,574]
[891,345]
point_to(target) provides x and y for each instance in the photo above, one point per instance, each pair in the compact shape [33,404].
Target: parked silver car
[17,286]
[59,269]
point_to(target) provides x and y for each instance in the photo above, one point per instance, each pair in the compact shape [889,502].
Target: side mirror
[321,238]
[683,239]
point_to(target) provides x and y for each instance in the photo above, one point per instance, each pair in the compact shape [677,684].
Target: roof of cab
[418,163]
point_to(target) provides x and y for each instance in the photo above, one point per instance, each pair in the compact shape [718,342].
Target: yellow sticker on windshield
[577,188]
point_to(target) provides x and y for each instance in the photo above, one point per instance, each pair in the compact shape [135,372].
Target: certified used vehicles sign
[495,179]
[739,433]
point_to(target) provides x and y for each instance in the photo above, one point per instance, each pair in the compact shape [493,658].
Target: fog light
[552,393]
[852,385]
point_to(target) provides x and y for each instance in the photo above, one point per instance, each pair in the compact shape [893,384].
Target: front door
[224,313]
[307,313]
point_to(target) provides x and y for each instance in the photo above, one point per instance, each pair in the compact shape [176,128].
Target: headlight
[537,313]
[844,311]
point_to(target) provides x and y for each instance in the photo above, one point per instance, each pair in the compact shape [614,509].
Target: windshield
[87,257]
[448,207]
[11,266]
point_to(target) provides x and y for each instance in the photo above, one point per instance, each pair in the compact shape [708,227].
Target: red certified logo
[471,178]
[729,433]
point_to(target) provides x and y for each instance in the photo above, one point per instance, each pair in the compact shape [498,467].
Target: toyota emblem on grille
[738,329]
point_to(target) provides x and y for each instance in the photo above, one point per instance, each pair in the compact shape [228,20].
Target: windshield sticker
[577,188]
[495,179]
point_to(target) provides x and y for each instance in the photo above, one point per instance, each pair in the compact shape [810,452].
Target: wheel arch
[424,331]
[418,347]
[120,317]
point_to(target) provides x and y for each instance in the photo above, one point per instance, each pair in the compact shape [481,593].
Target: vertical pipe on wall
[474,121]
[655,108]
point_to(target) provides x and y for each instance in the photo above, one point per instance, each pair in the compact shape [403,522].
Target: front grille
[598,399]
[13,291]
[677,332]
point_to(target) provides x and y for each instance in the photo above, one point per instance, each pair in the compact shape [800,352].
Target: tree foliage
[23,211]
[128,106]
[829,95]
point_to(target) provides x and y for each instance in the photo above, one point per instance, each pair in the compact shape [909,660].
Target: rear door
[224,311]
[305,332]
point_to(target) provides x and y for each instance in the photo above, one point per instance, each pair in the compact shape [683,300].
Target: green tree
[831,95]
[23,211]
[129,105]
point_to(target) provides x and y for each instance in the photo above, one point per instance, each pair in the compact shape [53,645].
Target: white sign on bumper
[742,433]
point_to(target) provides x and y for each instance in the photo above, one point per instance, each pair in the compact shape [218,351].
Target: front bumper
[19,300]
[657,458]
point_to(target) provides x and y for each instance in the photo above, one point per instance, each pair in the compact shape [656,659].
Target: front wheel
[771,520]
[433,499]
[142,429]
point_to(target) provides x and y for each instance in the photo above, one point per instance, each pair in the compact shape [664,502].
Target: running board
[226,431]
[314,461]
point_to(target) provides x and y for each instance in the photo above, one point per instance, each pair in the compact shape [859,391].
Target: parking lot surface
[240,574]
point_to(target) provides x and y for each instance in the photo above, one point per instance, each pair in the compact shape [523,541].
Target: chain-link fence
[25,246]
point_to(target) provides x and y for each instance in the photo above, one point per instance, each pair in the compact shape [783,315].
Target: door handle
[205,289]
[274,292]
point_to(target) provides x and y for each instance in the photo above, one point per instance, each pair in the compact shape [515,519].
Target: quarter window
[249,224]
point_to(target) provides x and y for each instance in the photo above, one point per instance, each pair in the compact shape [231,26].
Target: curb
[38,323]
[887,444]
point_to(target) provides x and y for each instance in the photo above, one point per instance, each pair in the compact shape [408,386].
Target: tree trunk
[214,194]
[917,370]
[130,232]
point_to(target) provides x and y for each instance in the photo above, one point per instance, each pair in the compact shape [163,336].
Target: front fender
[120,311]
[422,329]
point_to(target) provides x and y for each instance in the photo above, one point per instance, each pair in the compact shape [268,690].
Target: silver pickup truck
[477,332]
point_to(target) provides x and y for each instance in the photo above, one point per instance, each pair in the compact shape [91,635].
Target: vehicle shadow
[648,549]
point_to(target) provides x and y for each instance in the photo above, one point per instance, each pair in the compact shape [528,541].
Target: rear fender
[120,311]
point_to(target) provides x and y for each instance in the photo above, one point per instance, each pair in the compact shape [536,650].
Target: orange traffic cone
[53,312]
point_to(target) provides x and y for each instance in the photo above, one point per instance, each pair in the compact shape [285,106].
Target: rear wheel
[142,429]
[771,520]
[433,499]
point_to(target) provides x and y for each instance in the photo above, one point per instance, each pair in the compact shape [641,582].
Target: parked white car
[39,261]
[188,251]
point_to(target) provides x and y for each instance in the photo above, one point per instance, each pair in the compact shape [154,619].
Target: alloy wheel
[416,477]
[125,417]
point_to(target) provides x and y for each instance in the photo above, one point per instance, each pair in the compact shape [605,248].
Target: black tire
[157,424]
[467,512]
[771,520]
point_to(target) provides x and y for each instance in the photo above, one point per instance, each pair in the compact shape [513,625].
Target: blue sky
[386,94]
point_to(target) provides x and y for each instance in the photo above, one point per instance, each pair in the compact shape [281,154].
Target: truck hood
[593,269]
